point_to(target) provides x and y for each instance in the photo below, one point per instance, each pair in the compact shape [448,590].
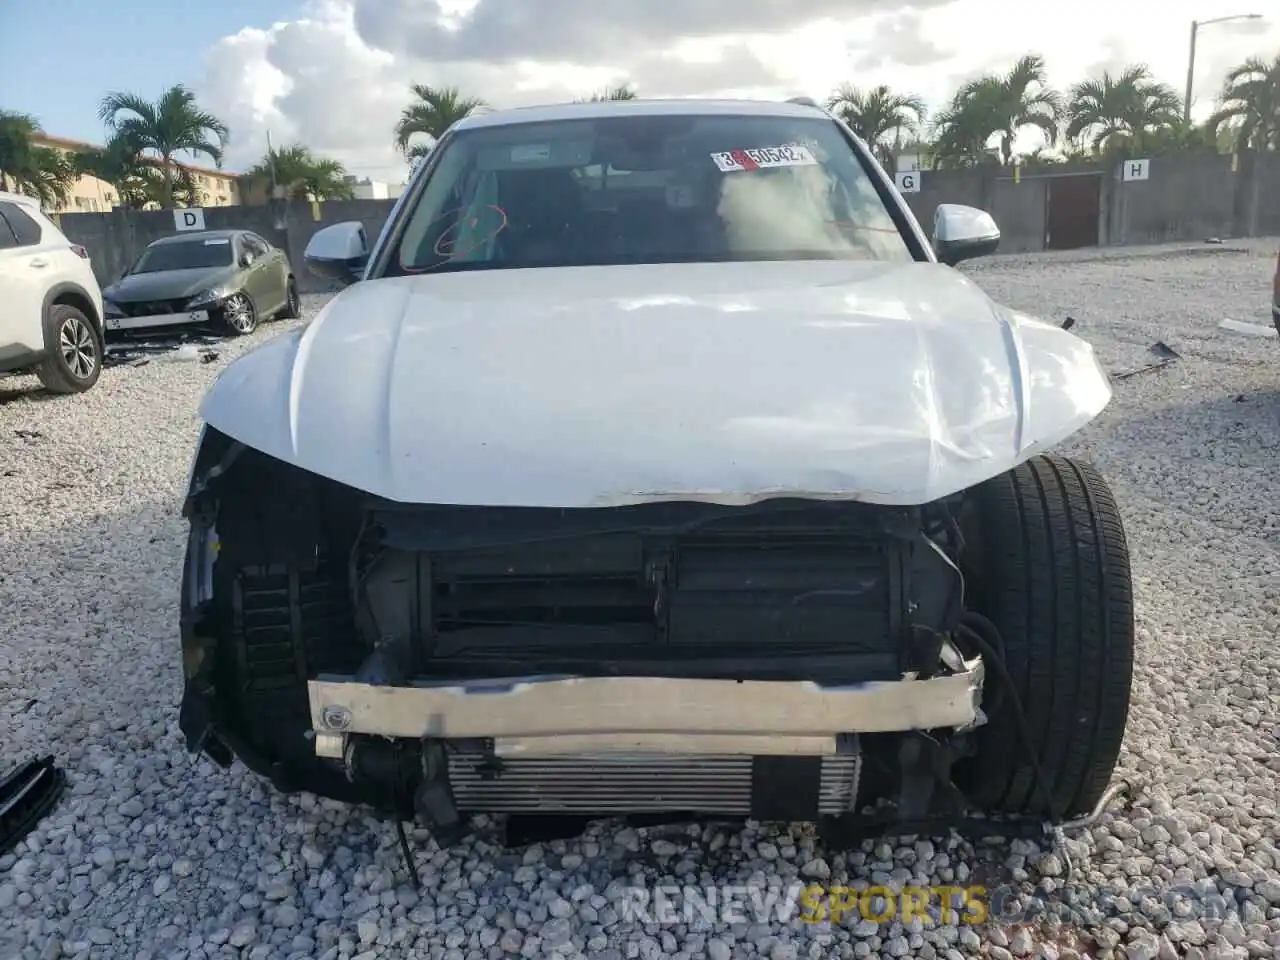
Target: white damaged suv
[654,460]
[50,301]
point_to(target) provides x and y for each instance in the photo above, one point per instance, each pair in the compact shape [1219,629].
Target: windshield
[185,255]
[647,189]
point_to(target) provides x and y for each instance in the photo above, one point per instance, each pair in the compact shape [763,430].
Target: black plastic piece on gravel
[27,794]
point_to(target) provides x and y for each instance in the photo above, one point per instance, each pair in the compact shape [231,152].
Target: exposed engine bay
[789,660]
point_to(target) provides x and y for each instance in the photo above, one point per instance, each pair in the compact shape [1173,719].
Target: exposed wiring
[995,641]
[973,626]
[403,806]
[1089,819]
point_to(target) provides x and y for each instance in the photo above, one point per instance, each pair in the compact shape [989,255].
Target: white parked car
[655,460]
[50,302]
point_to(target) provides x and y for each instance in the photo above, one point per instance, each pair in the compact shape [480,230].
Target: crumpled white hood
[602,386]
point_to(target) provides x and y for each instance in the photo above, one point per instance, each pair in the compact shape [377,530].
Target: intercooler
[634,783]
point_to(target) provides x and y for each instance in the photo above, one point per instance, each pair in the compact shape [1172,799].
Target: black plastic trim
[66,287]
[785,788]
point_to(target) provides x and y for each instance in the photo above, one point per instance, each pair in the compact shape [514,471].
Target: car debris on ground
[137,352]
[1248,329]
[28,793]
[1167,355]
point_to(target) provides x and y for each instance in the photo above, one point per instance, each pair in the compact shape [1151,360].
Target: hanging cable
[974,626]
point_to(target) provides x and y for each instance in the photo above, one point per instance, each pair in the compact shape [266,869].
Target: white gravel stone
[816,868]
[1143,948]
[1021,944]
[155,854]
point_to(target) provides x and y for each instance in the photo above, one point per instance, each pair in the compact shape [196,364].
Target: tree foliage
[433,111]
[302,174]
[27,167]
[172,124]
[879,116]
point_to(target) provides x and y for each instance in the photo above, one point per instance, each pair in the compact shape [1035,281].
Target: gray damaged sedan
[231,278]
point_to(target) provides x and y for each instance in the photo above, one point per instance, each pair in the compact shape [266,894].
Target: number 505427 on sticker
[760,158]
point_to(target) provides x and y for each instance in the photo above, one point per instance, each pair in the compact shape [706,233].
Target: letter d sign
[191,219]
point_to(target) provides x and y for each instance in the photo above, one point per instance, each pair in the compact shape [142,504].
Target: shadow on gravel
[1214,461]
[35,393]
[1248,422]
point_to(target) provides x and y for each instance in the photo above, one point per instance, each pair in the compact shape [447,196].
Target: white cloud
[337,78]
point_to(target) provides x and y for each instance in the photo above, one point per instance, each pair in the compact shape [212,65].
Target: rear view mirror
[962,233]
[339,252]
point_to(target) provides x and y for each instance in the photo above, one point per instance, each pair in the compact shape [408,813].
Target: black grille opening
[154,308]
[545,601]
[687,590]
[289,626]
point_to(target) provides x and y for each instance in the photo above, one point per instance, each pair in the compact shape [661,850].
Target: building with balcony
[215,188]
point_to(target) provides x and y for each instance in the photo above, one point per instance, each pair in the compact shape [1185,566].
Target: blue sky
[58,57]
[334,75]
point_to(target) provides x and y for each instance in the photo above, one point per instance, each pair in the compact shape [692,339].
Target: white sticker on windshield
[763,158]
[215,241]
[531,153]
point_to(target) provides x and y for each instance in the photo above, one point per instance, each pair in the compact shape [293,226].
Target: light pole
[1191,59]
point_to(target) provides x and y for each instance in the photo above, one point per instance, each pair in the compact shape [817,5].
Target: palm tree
[1249,105]
[1041,157]
[49,179]
[1000,105]
[964,128]
[119,162]
[28,167]
[434,111]
[182,187]
[302,174]
[621,92]
[138,180]
[172,124]
[878,113]
[17,132]
[1120,110]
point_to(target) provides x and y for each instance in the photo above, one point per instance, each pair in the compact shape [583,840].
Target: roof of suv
[19,198]
[618,108]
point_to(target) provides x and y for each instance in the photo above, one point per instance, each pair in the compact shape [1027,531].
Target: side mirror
[246,259]
[962,233]
[339,252]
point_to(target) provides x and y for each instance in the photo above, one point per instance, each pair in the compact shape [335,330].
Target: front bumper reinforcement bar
[639,713]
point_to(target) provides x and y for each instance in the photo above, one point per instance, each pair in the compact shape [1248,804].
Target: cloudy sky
[334,74]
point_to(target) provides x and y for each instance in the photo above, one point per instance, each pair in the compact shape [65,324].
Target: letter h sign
[1136,170]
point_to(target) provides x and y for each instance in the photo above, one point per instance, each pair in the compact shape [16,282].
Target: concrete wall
[1266,205]
[1187,197]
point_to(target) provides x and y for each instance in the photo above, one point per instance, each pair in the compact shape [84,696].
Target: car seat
[545,217]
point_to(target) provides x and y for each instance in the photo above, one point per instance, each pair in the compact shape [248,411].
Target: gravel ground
[153,853]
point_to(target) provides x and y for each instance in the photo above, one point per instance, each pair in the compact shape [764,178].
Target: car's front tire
[238,315]
[1049,567]
[75,345]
